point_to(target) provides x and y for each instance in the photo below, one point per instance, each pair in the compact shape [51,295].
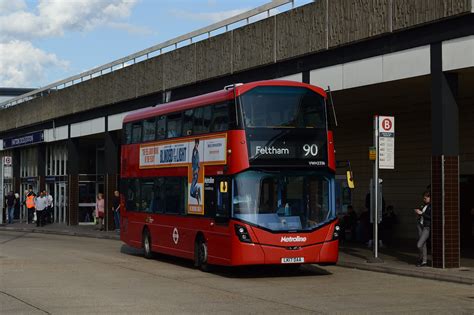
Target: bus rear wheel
[147,244]
[201,255]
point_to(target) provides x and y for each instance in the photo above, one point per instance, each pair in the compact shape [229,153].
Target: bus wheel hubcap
[203,253]
[147,244]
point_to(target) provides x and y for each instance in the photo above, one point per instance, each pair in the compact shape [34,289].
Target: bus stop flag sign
[386,142]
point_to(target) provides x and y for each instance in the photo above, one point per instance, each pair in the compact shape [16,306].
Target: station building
[412,61]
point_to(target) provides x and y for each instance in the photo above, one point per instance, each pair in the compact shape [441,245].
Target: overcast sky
[42,41]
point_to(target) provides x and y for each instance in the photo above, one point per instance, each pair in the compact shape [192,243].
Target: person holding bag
[424,227]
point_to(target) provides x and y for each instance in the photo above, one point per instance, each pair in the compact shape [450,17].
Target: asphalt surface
[56,274]
[399,260]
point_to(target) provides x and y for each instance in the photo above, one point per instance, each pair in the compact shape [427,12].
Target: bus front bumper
[256,254]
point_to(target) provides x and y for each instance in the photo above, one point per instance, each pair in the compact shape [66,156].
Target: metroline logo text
[289,239]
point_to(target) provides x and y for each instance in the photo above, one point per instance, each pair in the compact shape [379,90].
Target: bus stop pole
[376,186]
[375,195]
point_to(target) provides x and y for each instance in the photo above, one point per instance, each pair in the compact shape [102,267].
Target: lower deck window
[156,195]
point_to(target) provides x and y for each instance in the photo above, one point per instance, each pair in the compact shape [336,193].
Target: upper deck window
[161,127]
[198,121]
[220,118]
[283,107]
[136,132]
[174,125]
[149,129]
[127,133]
[188,122]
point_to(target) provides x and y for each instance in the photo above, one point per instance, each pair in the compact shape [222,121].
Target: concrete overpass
[410,58]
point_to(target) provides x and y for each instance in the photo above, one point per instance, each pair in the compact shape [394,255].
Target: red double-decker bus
[241,176]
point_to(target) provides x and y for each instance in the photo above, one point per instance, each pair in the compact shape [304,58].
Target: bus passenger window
[220,118]
[161,127]
[197,126]
[146,196]
[133,193]
[206,119]
[174,125]
[188,123]
[158,199]
[175,192]
[128,133]
[149,130]
[137,132]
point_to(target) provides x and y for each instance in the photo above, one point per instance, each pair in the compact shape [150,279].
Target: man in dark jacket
[116,210]
[424,227]
[11,203]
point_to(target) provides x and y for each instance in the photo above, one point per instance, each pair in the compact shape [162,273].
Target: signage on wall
[386,142]
[7,160]
[23,140]
[7,167]
[31,179]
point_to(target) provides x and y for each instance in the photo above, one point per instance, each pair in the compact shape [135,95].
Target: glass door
[58,192]
[87,196]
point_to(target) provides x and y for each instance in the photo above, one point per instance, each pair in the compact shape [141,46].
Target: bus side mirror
[350,180]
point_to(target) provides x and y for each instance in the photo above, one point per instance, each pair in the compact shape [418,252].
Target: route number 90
[310,149]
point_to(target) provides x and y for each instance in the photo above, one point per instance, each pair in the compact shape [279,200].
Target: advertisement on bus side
[195,153]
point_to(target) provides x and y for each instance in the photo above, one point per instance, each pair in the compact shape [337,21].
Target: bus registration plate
[292,260]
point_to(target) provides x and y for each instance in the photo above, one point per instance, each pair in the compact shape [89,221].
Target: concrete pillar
[16,170]
[72,215]
[41,166]
[445,164]
[306,77]
[17,181]
[112,146]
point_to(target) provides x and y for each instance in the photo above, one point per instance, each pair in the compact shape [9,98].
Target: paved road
[62,275]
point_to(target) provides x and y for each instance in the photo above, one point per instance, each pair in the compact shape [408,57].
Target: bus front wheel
[201,255]
[147,244]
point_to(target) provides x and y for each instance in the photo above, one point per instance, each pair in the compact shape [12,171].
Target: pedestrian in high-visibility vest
[30,205]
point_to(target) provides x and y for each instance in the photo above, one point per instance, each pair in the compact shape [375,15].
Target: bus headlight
[337,230]
[242,233]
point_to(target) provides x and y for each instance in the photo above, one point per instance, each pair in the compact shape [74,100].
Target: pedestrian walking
[49,207]
[10,202]
[116,210]
[40,205]
[30,204]
[17,206]
[99,210]
[423,225]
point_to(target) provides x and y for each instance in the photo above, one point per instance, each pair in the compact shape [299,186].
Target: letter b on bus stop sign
[386,142]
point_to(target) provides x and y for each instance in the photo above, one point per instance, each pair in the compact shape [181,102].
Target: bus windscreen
[282,201]
[283,107]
